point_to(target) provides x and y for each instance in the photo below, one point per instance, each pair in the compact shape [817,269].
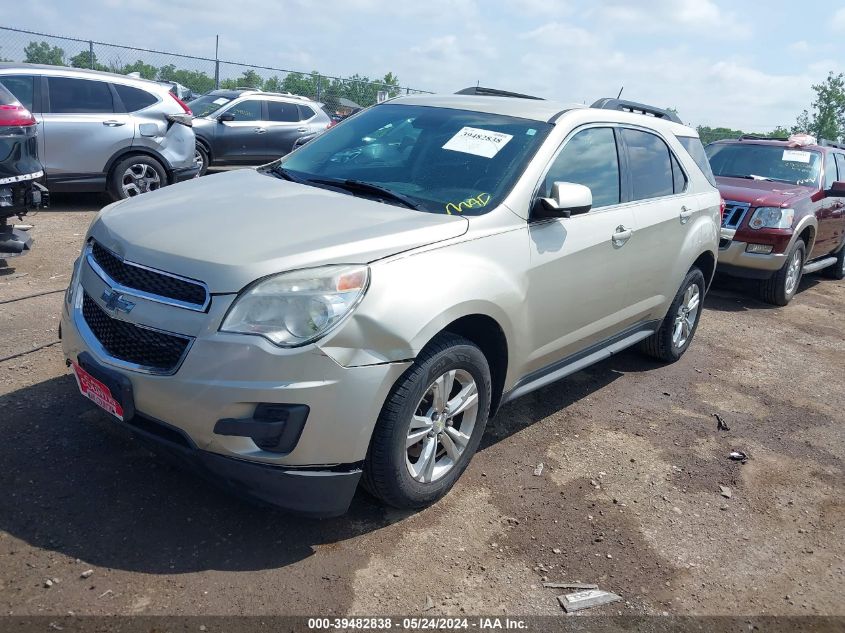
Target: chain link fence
[198,74]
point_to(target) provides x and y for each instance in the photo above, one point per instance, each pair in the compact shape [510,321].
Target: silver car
[387,287]
[104,132]
[251,127]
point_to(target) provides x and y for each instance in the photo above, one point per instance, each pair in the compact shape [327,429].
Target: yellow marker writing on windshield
[477,202]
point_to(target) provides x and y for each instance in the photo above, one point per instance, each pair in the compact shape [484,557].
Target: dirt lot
[629,496]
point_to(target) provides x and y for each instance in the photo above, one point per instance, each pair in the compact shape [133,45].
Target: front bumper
[225,377]
[735,261]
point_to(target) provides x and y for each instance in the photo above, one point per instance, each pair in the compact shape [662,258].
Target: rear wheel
[837,271]
[201,159]
[135,175]
[431,424]
[675,333]
[782,286]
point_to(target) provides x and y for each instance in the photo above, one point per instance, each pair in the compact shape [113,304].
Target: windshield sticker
[481,200]
[796,156]
[530,132]
[472,140]
[221,101]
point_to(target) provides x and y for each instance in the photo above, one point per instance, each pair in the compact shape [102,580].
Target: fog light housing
[763,249]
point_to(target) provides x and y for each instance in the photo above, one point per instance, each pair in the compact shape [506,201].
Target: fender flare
[810,221]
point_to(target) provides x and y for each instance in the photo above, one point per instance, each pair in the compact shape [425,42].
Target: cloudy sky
[743,64]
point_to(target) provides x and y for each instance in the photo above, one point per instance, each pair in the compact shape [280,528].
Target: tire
[669,343]
[390,464]
[201,158]
[149,175]
[837,271]
[781,287]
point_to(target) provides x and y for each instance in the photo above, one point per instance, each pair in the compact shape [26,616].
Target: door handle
[113,123]
[302,129]
[686,214]
[260,130]
[621,235]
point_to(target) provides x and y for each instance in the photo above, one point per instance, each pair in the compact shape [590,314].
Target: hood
[761,193]
[232,228]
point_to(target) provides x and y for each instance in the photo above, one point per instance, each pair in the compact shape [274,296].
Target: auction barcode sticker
[473,140]
[796,156]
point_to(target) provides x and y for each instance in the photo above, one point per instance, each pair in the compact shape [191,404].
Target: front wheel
[675,333]
[431,424]
[782,286]
[201,159]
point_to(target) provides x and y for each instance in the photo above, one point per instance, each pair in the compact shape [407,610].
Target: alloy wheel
[793,273]
[686,315]
[139,178]
[442,426]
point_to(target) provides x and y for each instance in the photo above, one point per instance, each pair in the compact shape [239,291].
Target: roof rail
[825,143]
[248,88]
[494,92]
[608,103]
[757,137]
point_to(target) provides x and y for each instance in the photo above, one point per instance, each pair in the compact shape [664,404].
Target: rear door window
[79,96]
[650,165]
[829,171]
[134,99]
[282,112]
[23,87]
[679,178]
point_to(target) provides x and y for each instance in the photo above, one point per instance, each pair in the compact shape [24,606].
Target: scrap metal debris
[586,599]
[725,492]
[739,456]
[570,585]
[538,470]
[721,425]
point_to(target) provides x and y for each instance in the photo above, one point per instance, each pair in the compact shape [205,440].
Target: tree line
[359,89]
[824,119]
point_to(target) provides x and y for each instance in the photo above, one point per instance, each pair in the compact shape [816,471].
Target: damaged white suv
[360,308]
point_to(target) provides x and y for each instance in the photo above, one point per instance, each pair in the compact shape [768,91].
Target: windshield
[207,104]
[765,162]
[441,160]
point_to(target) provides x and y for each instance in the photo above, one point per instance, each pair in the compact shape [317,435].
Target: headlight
[296,308]
[772,218]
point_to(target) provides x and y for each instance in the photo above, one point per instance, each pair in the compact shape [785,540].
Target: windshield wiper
[281,172]
[366,187]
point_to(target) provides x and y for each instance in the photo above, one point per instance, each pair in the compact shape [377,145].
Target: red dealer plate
[97,392]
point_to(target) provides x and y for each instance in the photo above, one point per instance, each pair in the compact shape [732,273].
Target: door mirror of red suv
[837,189]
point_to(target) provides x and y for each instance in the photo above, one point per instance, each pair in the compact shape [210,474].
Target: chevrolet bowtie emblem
[116,303]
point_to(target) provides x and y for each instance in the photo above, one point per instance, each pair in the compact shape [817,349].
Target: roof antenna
[620,92]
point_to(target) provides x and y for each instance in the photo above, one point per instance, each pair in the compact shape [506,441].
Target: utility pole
[217,61]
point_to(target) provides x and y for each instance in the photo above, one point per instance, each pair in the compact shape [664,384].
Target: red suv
[784,210]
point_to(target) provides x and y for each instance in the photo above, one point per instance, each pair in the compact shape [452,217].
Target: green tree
[147,71]
[87,59]
[42,53]
[197,81]
[827,117]
[273,84]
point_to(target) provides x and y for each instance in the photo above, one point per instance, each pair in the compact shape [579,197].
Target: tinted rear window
[305,113]
[79,96]
[22,87]
[650,165]
[281,111]
[134,98]
[696,150]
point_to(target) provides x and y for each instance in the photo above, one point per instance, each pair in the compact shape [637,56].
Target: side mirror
[567,198]
[226,117]
[837,189]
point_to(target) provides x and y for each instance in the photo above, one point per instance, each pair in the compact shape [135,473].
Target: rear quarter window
[696,150]
[135,99]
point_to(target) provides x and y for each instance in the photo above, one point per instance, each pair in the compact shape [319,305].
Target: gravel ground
[629,496]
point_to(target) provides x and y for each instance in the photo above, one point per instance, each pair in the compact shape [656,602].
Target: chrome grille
[734,214]
[147,282]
